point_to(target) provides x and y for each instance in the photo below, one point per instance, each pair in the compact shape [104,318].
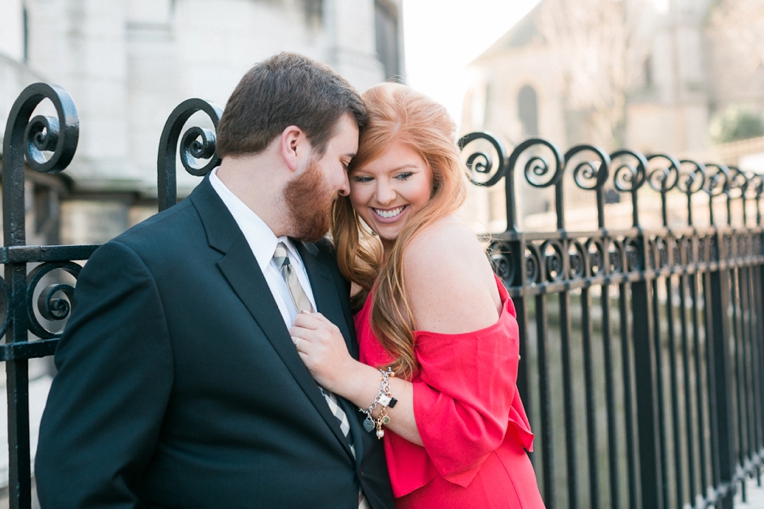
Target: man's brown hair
[286,89]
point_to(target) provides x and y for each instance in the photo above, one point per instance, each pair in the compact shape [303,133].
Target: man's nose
[344,189]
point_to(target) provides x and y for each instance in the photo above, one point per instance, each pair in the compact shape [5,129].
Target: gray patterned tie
[302,303]
[299,297]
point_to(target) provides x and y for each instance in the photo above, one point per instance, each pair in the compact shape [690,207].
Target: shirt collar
[259,235]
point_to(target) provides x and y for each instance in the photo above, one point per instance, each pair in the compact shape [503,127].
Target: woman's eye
[361,179]
[404,176]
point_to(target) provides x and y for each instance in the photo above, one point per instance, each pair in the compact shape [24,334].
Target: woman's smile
[389,215]
[388,190]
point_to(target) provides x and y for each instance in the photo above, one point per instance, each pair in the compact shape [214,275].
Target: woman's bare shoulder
[428,245]
[449,281]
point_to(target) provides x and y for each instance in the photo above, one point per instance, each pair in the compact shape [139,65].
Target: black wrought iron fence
[641,347]
[653,399]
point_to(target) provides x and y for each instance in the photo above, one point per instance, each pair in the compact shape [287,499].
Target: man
[178,383]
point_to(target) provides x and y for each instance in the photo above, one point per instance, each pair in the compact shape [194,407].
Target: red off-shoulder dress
[469,415]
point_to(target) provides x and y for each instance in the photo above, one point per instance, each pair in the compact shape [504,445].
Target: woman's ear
[292,143]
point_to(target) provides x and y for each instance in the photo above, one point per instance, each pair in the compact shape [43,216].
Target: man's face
[310,194]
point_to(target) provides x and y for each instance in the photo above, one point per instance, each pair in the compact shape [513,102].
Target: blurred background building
[684,77]
[128,63]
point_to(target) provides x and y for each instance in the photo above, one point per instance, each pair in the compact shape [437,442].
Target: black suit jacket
[179,386]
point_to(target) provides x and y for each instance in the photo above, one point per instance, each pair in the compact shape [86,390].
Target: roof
[524,33]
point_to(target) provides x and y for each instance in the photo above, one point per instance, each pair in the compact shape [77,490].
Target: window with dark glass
[386,28]
[25,27]
[527,107]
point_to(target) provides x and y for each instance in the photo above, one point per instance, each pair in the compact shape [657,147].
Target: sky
[442,36]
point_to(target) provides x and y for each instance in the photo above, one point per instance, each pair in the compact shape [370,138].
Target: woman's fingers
[311,320]
[315,327]
[321,346]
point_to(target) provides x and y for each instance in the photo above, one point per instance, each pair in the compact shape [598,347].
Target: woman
[437,336]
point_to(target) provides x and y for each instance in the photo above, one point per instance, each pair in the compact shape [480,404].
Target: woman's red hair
[397,113]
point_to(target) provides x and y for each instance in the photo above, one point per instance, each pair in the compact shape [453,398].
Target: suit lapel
[242,272]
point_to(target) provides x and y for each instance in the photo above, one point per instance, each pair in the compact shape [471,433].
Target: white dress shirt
[262,241]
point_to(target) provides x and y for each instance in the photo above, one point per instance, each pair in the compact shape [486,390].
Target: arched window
[313,11]
[647,70]
[527,108]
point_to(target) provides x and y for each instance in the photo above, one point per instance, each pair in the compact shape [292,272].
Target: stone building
[128,63]
[645,74]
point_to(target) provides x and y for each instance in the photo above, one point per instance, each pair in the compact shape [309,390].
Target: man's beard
[309,203]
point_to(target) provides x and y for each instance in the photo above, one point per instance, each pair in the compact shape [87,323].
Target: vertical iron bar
[591,402]
[568,394]
[713,412]
[628,393]
[687,387]
[650,464]
[737,382]
[14,234]
[758,283]
[545,402]
[749,403]
[615,499]
[752,365]
[661,417]
[674,384]
[722,367]
[757,335]
[698,350]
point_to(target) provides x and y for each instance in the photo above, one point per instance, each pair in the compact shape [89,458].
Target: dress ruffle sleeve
[465,399]
[466,396]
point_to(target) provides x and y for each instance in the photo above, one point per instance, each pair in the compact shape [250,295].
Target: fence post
[648,423]
[28,139]
[721,369]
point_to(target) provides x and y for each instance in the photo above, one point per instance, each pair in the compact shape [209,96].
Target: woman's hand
[323,350]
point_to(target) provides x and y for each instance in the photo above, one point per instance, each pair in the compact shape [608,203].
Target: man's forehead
[345,138]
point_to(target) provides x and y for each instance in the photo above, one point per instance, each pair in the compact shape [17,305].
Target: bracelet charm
[385,400]
[368,423]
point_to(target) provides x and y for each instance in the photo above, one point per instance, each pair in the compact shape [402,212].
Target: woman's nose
[384,193]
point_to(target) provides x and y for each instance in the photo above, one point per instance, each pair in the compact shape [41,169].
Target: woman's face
[389,190]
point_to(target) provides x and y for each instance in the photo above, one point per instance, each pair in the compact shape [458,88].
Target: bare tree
[593,40]
[741,22]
